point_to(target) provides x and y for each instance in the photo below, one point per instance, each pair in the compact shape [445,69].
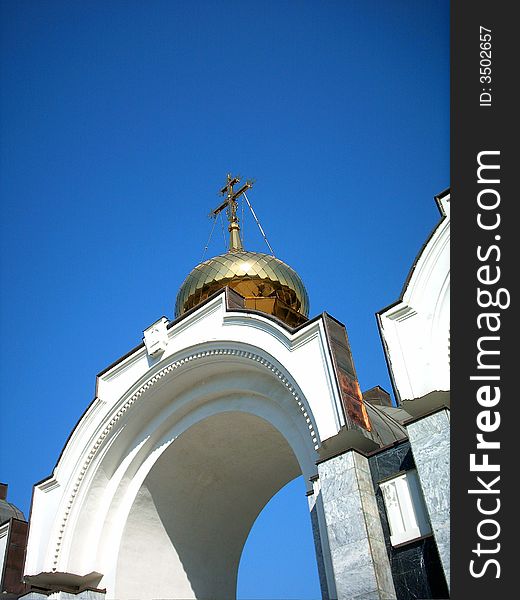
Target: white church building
[192,432]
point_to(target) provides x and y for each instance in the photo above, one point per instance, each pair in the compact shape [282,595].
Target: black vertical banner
[485,263]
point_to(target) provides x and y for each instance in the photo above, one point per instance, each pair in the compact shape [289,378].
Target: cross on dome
[230,203]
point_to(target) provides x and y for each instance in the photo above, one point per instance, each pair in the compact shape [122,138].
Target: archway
[160,482]
[191,517]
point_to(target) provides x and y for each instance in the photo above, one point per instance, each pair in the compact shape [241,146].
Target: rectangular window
[405,508]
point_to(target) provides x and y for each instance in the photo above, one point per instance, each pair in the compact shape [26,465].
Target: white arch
[216,362]
[203,504]
[235,381]
[188,390]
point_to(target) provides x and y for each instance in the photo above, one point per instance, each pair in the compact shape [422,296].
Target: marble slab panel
[430,442]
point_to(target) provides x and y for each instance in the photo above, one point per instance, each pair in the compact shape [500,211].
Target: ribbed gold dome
[267,284]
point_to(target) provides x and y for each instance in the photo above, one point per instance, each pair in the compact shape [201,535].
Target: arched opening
[279,560]
[189,522]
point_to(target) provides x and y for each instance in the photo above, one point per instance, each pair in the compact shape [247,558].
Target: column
[359,563]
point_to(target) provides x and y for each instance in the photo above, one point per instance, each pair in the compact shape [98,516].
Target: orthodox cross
[230,203]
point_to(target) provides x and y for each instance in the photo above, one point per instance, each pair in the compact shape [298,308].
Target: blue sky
[119,122]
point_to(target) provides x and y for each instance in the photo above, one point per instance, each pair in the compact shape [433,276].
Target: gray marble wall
[321,543]
[358,557]
[430,442]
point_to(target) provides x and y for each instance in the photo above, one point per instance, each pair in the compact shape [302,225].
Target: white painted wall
[416,329]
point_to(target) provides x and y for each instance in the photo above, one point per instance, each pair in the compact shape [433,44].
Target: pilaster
[359,561]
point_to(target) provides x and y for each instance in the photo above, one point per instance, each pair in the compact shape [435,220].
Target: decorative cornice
[147,385]
[49,484]
[401,312]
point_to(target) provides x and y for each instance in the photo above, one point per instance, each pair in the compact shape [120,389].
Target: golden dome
[266,283]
